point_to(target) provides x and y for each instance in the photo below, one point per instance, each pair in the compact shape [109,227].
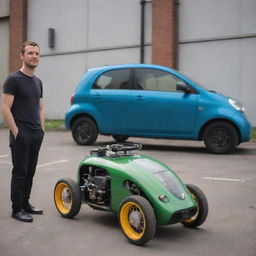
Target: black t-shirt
[27,92]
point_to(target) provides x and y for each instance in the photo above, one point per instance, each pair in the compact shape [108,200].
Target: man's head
[29,54]
[27,43]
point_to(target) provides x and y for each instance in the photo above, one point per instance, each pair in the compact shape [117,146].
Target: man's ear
[21,56]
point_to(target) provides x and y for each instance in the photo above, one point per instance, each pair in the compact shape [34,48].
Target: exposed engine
[134,189]
[96,184]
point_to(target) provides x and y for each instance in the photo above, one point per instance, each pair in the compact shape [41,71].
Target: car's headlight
[164,198]
[236,104]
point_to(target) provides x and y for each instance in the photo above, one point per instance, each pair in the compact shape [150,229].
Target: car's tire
[67,197]
[84,131]
[201,205]
[120,138]
[137,219]
[220,138]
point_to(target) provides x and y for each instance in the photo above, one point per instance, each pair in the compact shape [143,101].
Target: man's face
[31,56]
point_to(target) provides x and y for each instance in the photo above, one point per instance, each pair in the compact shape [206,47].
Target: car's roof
[121,66]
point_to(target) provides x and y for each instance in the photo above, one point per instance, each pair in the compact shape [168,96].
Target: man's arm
[7,101]
[42,113]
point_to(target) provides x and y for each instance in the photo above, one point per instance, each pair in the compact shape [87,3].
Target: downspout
[177,3]
[142,31]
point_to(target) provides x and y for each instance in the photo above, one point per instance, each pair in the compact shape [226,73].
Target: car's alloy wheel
[137,219]
[84,131]
[67,197]
[201,207]
[220,138]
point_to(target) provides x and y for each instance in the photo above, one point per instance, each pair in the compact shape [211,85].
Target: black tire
[67,197]
[220,138]
[202,207]
[84,131]
[137,219]
[120,138]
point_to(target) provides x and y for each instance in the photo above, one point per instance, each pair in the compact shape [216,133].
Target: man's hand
[7,101]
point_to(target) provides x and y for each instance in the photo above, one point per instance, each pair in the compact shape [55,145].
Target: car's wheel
[137,219]
[84,131]
[120,138]
[201,207]
[220,138]
[67,197]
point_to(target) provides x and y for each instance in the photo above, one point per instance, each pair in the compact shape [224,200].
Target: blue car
[142,100]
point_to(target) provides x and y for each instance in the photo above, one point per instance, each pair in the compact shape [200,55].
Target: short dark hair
[26,43]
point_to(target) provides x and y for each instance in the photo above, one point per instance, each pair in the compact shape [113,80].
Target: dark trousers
[25,149]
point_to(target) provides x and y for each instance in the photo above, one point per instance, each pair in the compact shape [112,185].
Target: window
[156,80]
[115,79]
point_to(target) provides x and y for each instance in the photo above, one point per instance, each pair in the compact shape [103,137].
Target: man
[23,111]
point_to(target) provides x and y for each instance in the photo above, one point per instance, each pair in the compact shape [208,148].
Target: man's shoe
[22,216]
[31,209]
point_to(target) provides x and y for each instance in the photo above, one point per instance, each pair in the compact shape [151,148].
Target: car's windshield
[195,82]
[165,176]
[170,182]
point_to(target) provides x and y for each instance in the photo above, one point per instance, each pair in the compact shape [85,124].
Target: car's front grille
[182,215]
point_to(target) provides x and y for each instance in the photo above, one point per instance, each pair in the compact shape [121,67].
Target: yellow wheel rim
[63,198]
[197,212]
[132,220]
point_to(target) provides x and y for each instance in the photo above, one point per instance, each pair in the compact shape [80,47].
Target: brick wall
[17,31]
[164,45]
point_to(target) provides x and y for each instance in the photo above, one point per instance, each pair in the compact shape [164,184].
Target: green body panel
[136,168]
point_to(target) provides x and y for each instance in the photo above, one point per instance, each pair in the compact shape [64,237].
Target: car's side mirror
[183,87]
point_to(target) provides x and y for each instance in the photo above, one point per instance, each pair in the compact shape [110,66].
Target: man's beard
[31,66]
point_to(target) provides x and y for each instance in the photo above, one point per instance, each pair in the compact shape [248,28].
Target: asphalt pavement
[229,182]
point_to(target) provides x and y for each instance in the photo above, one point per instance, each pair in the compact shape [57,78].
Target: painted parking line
[40,165]
[7,163]
[3,156]
[51,163]
[223,179]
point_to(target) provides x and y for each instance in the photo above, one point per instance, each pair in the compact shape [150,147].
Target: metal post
[142,31]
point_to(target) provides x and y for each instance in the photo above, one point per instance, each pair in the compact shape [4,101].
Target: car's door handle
[139,97]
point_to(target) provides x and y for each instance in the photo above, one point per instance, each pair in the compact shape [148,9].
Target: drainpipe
[142,31]
[177,5]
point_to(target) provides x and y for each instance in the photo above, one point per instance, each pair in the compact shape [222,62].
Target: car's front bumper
[182,215]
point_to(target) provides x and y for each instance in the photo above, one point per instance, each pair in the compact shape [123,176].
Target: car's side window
[156,80]
[115,80]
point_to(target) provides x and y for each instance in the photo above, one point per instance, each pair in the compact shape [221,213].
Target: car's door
[111,97]
[158,108]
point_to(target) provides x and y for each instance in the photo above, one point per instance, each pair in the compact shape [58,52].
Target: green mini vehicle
[143,191]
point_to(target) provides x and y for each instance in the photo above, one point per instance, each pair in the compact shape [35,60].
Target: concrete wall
[88,34]
[4,45]
[217,47]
